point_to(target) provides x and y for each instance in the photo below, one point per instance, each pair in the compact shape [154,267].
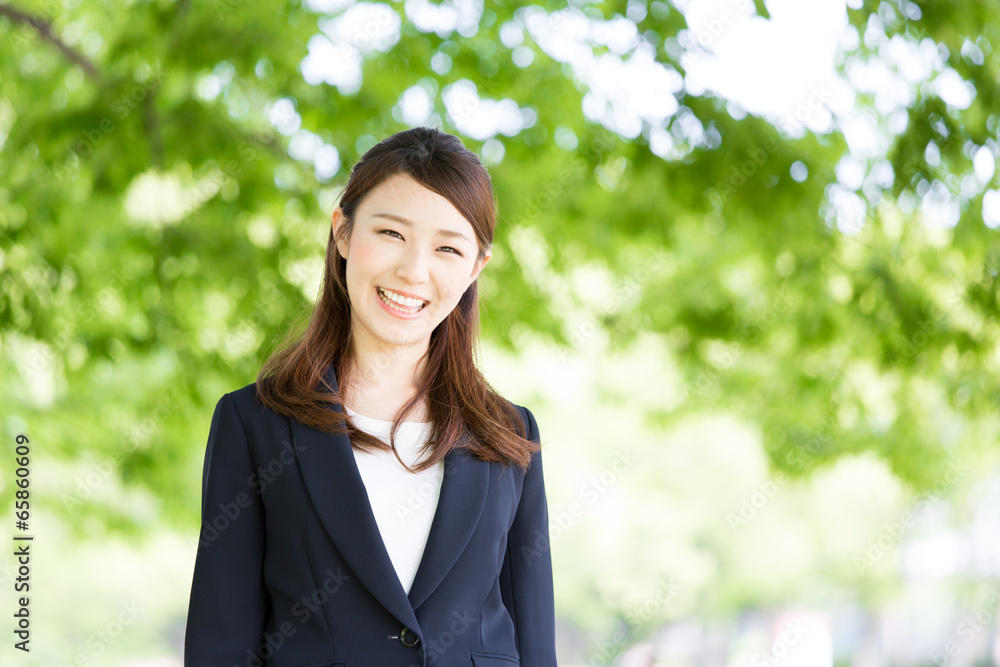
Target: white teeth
[394,300]
[401,300]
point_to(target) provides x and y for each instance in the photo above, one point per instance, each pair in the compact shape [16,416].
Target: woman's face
[408,244]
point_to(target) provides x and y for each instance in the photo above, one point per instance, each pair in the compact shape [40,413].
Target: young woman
[359,502]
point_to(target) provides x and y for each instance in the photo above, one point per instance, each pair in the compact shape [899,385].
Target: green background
[739,400]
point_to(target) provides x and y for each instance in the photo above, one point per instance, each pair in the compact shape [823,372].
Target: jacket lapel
[335,486]
[463,496]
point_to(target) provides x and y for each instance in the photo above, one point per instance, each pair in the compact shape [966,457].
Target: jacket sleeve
[228,604]
[526,576]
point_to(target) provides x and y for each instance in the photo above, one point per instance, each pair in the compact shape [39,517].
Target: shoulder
[518,412]
[528,425]
[240,413]
[247,404]
[245,396]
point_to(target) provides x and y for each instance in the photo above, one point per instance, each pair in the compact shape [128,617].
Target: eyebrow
[450,233]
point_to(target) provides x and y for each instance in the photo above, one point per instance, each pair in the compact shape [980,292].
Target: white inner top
[403,502]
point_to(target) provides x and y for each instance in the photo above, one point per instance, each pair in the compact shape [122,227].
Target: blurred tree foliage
[159,233]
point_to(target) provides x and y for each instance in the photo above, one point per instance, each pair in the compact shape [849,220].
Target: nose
[413,266]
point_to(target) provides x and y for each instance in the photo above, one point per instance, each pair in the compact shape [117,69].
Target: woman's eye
[393,231]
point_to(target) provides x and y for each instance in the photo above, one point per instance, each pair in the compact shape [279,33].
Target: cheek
[364,253]
[362,262]
[453,287]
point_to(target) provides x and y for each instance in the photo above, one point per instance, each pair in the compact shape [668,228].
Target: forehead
[402,195]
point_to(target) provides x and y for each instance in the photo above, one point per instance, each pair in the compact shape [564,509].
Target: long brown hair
[293,380]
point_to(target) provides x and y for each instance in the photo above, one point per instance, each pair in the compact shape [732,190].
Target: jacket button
[407,637]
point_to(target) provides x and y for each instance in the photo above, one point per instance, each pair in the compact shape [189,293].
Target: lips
[402,298]
[399,302]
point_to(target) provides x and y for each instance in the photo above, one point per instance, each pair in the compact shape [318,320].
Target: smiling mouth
[388,298]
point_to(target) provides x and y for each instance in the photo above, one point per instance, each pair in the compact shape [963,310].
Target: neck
[386,367]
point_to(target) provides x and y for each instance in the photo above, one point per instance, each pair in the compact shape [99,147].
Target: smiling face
[410,257]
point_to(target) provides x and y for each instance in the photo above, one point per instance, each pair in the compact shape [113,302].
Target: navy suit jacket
[291,570]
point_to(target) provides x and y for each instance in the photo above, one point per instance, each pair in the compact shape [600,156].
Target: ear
[479,266]
[338,222]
